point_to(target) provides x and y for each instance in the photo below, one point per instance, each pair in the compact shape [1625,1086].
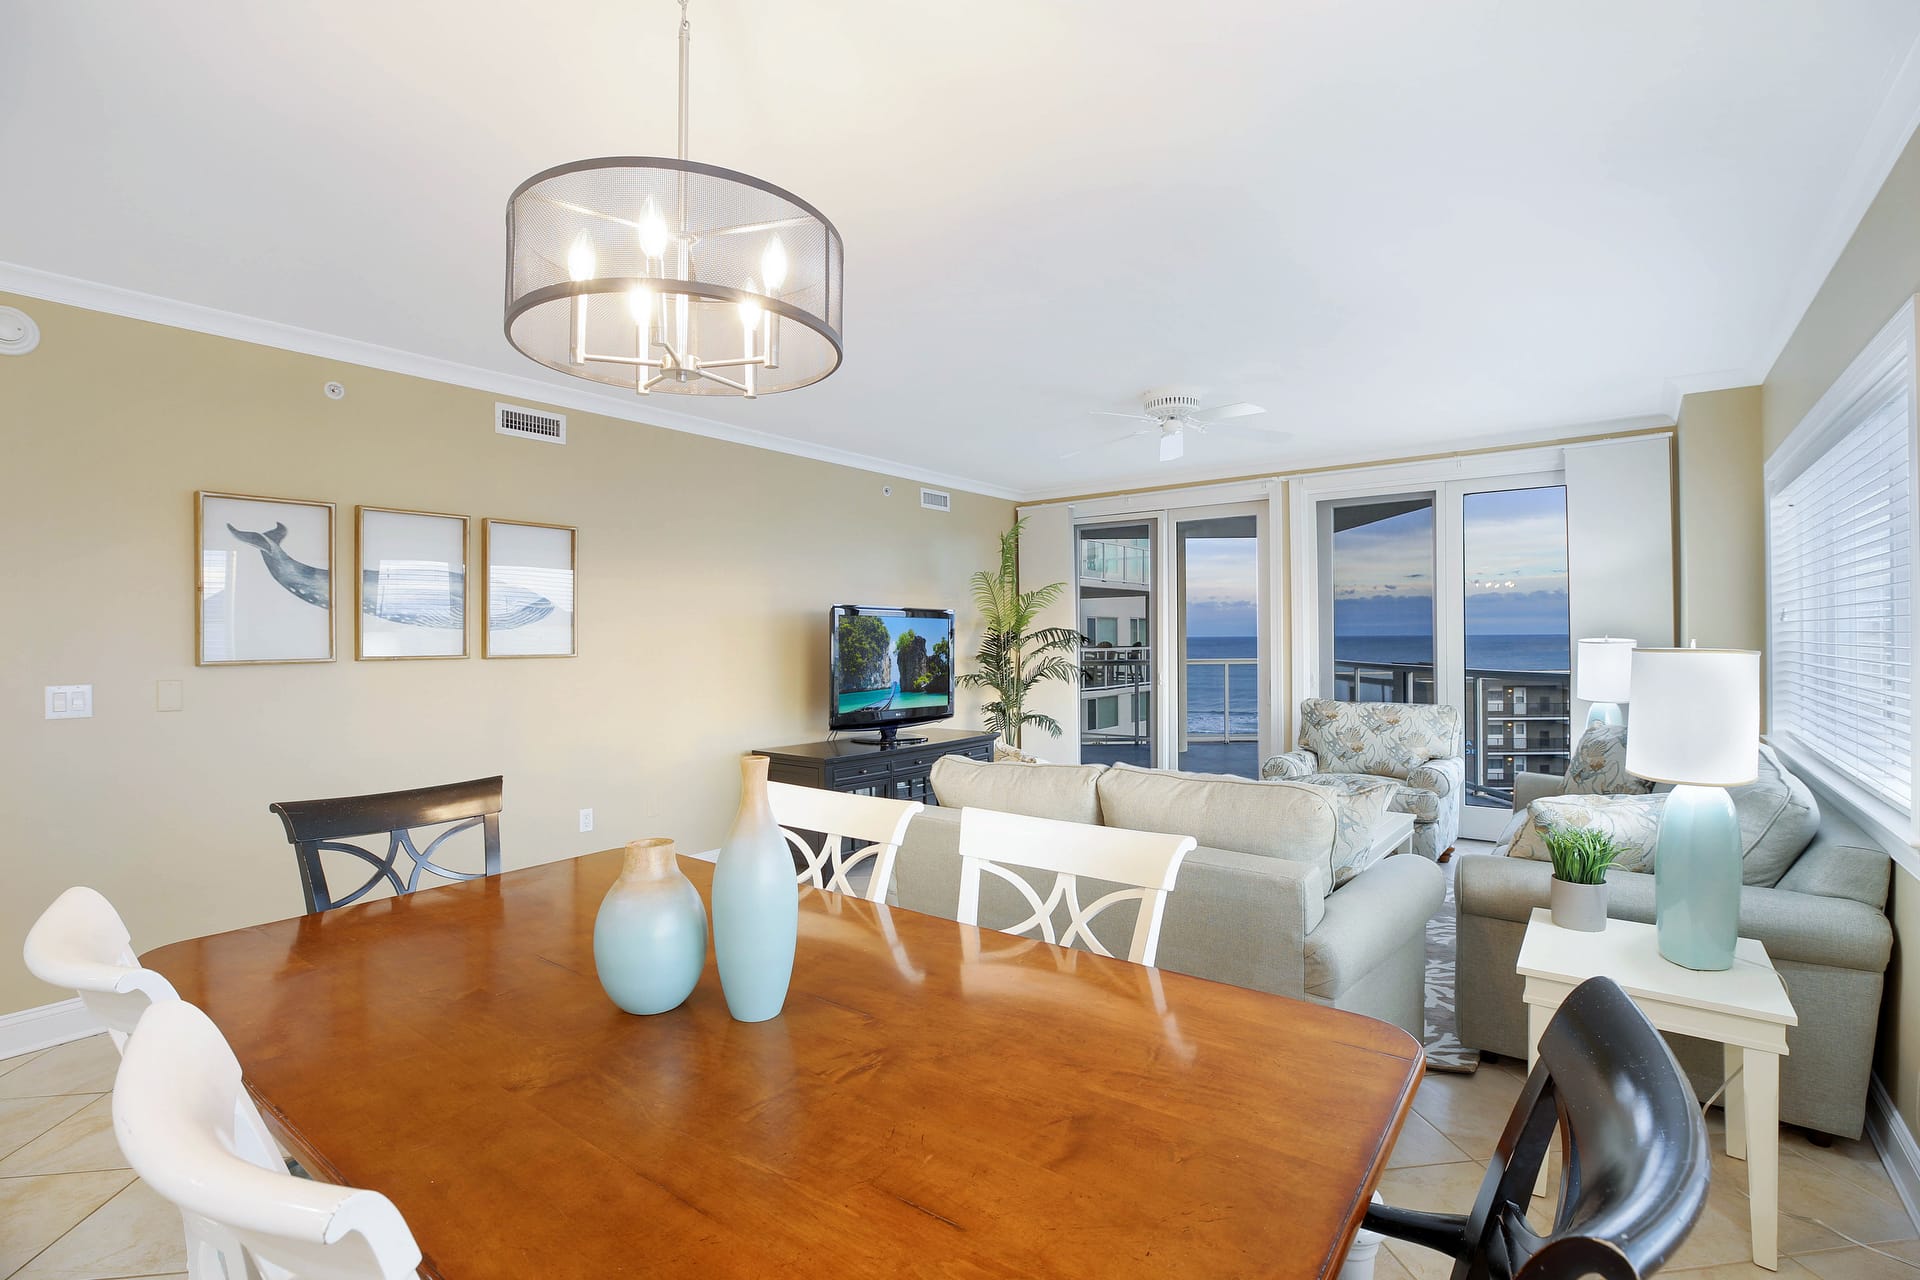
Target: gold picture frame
[534,596]
[250,610]
[424,612]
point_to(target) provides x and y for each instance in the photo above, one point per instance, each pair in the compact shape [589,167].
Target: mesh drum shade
[1696,716]
[1604,671]
[730,220]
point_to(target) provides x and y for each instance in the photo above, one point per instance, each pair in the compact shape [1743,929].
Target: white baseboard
[1895,1143]
[43,1027]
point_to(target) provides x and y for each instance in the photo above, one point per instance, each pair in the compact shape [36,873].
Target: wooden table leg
[1762,1106]
[1735,1101]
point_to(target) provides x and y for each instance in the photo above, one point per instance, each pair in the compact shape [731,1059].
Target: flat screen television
[887,668]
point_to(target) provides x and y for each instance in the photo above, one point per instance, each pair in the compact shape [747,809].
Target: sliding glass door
[1454,592]
[1172,608]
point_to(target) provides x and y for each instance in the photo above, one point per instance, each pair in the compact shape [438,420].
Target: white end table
[1392,834]
[1744,1008]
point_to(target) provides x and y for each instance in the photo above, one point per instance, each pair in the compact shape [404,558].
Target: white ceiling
[1399,225]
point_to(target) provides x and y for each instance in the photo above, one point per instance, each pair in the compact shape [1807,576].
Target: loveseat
[1278,896]
[1415,747]
[1815,896]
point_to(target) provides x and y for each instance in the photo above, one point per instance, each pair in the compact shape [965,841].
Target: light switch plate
[168,696]
[586,819]
[69,701]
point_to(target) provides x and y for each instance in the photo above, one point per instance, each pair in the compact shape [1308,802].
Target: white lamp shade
[1696,716]
[1603,671]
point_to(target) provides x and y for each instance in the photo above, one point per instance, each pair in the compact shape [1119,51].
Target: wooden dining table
[934,1100]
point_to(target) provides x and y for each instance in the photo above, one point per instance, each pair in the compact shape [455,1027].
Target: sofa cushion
[1063,792]
[1598,766]
[1778,820]
[1272,819]
[1632,821]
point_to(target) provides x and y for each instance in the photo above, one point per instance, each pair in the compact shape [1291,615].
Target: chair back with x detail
[317,825]
[841,819]
[1145,861]
[1633,1149]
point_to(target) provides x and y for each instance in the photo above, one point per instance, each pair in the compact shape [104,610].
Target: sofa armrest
[1244,919]
[1290,764]
[1528,787]
[1370,917]
[1836,870]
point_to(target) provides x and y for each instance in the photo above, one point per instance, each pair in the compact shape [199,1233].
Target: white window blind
[1840,535]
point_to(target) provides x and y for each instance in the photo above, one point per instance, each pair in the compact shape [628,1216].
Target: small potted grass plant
[1578,895]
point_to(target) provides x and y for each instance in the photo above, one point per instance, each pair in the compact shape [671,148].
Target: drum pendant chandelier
[666,275]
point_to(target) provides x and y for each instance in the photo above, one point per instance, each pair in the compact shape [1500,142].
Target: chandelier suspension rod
[686,33]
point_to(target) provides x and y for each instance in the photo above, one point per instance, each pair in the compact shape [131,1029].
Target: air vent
[530,424]
[936,500]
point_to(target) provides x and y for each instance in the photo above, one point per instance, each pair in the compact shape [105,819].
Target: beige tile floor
[70,1210]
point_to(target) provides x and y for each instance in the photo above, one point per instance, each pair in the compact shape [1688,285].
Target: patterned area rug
[1443,1048]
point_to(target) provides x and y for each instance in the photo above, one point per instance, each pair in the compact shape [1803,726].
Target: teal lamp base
[1696,873]
[1605,713]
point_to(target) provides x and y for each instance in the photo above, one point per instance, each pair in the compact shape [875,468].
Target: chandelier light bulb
[580,262]
[773,266]
[653,230]
[749,311]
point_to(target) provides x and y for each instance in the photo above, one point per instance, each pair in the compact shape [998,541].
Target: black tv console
[897,772]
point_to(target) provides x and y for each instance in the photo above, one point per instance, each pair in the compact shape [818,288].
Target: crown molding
[133,305]
[1893,125]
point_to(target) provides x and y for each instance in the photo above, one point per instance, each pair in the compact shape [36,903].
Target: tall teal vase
[650,937]
[756,905]
[1696,878]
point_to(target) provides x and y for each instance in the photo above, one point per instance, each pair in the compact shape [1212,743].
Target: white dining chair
[842,818]
[80,943]
[173,1112]
[992,841]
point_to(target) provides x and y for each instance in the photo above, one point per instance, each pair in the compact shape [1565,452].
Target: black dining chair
[316,825]
[1633,1148]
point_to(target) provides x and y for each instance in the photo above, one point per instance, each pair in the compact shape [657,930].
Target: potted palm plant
[1578,894]
[1014,655]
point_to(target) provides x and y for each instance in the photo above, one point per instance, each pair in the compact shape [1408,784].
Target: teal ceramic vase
[756,904]
[1696,878]
[650,938]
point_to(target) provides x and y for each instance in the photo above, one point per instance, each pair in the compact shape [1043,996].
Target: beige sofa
[1815,895]
[1255,905]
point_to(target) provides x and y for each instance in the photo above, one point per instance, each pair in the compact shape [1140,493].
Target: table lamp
[1603,676]
[1696,724]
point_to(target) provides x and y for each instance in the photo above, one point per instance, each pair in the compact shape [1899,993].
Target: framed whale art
[411,587]
[528,572]
[263,579]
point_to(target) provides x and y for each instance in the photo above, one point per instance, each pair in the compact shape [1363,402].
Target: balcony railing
[1130,670]
[1251,671]
[1114,563]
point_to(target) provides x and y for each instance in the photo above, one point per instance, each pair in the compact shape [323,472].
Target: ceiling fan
[1174,411]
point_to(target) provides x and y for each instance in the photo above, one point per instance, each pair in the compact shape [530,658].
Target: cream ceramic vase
[650,938]
[756,904]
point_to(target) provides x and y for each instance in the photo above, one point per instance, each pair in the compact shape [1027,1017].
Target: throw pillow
[1632,821]
[1778,820]
[1599,765]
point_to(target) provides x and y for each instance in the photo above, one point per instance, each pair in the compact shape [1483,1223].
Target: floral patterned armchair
[1597,767]
[1415,746]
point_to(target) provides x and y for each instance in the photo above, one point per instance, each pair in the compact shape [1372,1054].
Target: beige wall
[1723,563]
[1878,271]
[706,570]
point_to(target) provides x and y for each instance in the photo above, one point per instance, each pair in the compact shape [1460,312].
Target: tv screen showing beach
[890,664]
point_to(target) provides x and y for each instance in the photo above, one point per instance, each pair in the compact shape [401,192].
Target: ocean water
[1207,685]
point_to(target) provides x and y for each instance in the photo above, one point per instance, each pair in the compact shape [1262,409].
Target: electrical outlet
[586,819]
